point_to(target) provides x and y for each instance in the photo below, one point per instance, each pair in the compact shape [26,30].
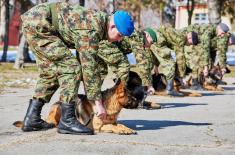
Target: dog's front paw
[123,130]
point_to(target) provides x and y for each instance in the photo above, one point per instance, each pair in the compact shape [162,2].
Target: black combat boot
[170,90]
[196,85]
[69,124]
[32,120]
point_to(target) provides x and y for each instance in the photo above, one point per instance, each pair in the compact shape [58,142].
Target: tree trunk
[190,8]
[114,6]
[214,11]
[26,53]
[2,20]
[7,16]
[19,61]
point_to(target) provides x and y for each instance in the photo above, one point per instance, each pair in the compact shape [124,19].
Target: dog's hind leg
[212,88]
[160,93]
[191,94]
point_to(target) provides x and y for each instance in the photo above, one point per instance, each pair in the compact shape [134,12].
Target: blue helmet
[123,23]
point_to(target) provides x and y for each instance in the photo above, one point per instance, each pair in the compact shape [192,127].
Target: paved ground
[184,126]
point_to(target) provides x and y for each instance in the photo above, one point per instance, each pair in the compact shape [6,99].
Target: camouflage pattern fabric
[174,40]
[142,55]
[111,57]
[163,60]
[192,57]
[210,43]
[78,28]
[219,47]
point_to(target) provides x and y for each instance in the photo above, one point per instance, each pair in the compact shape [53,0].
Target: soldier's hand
[151,90]
[101,112]
[223,71]
[205,71]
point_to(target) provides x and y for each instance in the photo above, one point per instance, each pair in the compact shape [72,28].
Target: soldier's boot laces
[170,90]
[32,120]
[196,85]
[151,105]
[69,124]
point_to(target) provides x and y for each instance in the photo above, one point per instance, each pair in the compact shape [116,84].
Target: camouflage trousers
[58,67]
[194,60]
[165,62]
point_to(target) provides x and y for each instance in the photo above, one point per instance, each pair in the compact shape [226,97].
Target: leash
[90,118]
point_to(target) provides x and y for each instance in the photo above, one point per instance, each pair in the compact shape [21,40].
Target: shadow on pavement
[179,105]
[228,88]
[157,124]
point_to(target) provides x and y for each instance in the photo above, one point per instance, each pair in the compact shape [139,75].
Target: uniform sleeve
[144,63]
[121,69]
[87,46]
[222,46]
[178,42]
[114,58]
[205,43]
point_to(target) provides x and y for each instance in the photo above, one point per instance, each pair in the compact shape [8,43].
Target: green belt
[54,16]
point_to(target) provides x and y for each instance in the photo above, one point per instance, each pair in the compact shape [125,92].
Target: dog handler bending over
[51,29]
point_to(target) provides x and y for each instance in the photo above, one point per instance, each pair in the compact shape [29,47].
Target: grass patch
[22,78]
[8,67]
[10,48]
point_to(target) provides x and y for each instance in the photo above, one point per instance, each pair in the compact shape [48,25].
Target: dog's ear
[133,81]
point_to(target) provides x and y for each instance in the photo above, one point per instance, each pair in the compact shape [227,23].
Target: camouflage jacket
[205,34]
[135,44]
[114,58]
[83,29]
[173,39]
[220,46]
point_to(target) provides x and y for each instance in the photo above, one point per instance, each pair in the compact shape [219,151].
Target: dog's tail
[18,124]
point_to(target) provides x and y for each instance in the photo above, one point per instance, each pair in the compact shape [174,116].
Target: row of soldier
[102,42]
[198,49]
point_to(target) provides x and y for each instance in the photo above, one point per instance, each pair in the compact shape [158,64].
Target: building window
[201,18]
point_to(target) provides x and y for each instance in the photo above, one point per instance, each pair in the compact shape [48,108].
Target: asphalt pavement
[190,125]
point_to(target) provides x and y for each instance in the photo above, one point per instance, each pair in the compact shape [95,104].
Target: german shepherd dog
[159,83]
[211,82]
[114,99]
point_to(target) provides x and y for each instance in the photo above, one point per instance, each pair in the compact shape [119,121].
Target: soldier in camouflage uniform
[51,29]
[169,40]
[194,58]
[138,43]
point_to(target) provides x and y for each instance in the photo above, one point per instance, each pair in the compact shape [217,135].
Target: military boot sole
[61,131]
[29,129]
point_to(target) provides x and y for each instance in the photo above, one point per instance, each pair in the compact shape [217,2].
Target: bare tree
[190,8]
[23,51]
[7,18]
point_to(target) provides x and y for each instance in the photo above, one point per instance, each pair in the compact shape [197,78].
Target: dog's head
[159,82]
[132,92]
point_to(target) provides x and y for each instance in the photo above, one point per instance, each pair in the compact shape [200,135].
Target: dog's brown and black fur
[114,99]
